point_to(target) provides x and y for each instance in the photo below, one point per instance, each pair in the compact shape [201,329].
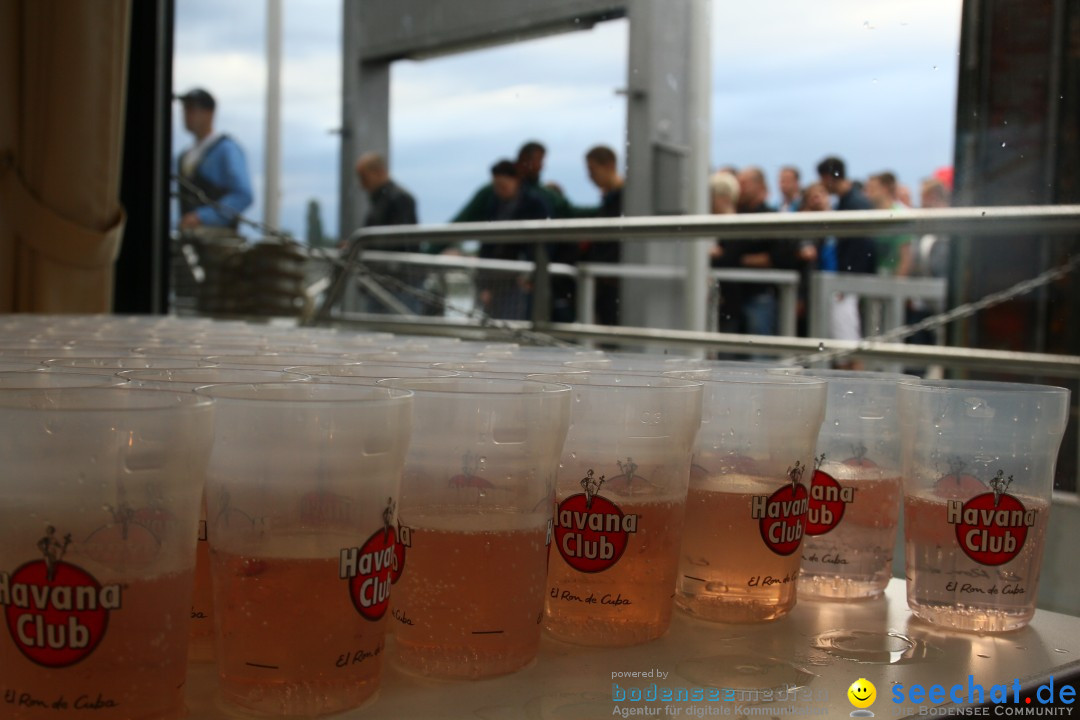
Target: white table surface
[570,683]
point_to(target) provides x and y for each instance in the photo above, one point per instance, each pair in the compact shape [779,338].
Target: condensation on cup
[749,494]
[475,504]
[187,379]
[620,499]
[97,560]
[855,488]
[301,512]
[978,472]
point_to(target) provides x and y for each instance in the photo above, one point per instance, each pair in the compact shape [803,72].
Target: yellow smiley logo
[862,693]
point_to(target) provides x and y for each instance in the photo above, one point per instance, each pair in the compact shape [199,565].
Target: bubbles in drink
[851,529]
[453,616]
[613,567]
[948,585]
[739,560]
[291,641]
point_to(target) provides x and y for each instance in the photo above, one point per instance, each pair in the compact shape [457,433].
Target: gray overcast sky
[792,82]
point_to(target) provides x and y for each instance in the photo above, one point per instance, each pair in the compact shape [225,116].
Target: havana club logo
[57,613]
[591,531]
[782,515]
[374,566]
[991,527]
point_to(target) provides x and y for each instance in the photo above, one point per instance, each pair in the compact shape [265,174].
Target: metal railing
[981,221]
[985,221]
[585,276]
[785,281]
[977,222]
[891,293]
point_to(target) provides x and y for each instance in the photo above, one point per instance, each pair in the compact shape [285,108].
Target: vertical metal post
[349,195]
[586,296]
[714,305]
[541,294]
[661,132]
[699,80]
[1055,90]
[894,309]
[820,300]
[272,174]
[788,321]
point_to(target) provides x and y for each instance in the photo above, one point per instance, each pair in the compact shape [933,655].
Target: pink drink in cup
[978,470]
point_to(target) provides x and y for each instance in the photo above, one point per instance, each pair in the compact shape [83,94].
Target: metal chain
[530,337]
[957,313]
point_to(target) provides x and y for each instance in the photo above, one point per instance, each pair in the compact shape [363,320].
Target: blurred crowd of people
[215,189]
[517,192]
[753,308]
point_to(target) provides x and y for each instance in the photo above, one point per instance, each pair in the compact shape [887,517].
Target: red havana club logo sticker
[782,515]
[592,532]
[991,527]
[373,567]
[56,612]
[828,499]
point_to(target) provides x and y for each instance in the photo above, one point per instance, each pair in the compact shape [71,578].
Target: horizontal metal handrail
[463,262]
[585,274]
[890,294]
[760,276]
[756,276]
[674,272]
[986,221]
[878,285]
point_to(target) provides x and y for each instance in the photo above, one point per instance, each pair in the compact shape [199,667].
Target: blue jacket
[223,176]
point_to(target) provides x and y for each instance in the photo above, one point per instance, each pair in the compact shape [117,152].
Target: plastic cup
[9,365]
[98,511]
[367,373]
[978,469]
[748,497]
[449,354]
[620,499]
[855,489]
[556,354]
[519,369]
[44,379]
[476,507]
[301,513]
[116,364]
[272,361]
[186,380]
[644,363]
[191,378]
[184,349]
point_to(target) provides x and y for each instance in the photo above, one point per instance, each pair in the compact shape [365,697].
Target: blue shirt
[224,166]
[830,258]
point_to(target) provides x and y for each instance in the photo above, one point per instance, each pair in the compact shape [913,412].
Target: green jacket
[478,208]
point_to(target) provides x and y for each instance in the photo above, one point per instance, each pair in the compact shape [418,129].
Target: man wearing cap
[212,170]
